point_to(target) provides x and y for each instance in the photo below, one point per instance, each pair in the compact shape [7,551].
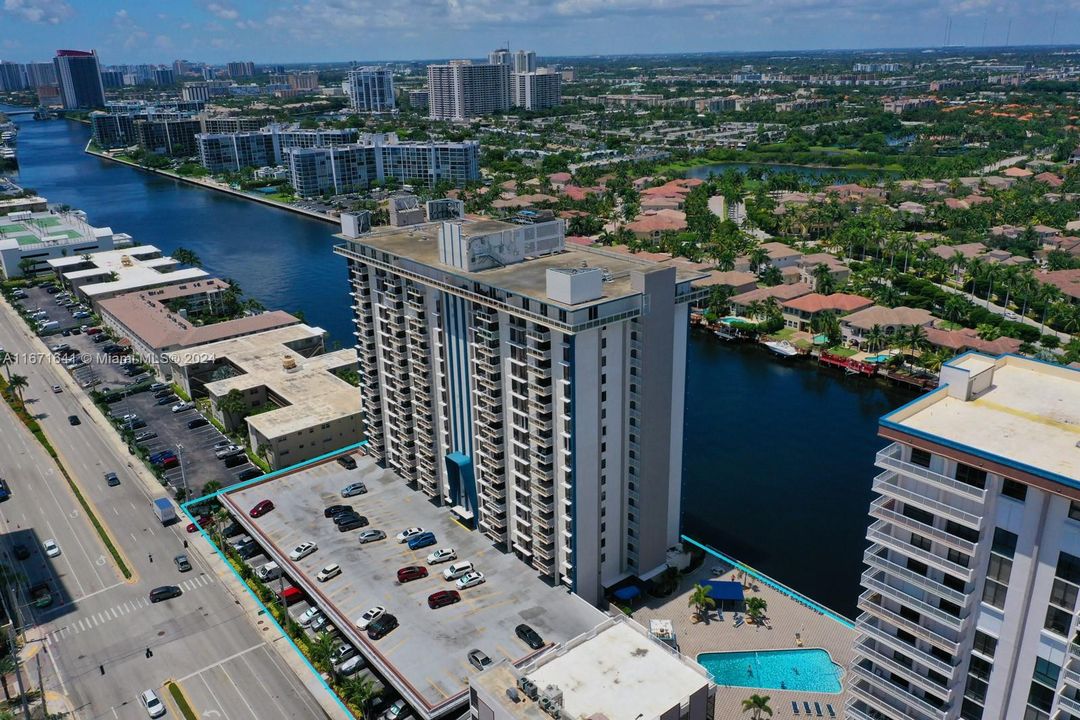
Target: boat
[725,334]
[782,348]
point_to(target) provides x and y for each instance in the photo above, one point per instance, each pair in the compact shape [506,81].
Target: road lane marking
[267,692]
[220,662]
[242,698]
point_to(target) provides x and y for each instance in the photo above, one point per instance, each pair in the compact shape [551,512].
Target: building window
[1063,594]
[920,542]
[1005,544]
[971,476]
[1057,621]
[1074,510]
[970,710]
[1040,696]
[979,668]
[984,644]
[1068,568]
[920,457]
[955,556]
[1014,490]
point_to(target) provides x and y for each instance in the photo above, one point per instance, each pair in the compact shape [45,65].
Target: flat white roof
[135,270]
[619,673]
[1028,418]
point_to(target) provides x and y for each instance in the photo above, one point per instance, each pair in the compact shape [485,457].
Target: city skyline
[222,30]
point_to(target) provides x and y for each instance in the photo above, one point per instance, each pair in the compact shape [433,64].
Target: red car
[201,522]
[93,331]
[443,598]
[261,509]
[412,572]
[169,463]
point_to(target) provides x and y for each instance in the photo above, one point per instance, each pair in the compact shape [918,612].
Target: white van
[457,570]
[49,324]
[269,571]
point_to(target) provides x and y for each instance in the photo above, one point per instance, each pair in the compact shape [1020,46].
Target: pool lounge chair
[806,708]
[817,708]
[794,708]
[832,713]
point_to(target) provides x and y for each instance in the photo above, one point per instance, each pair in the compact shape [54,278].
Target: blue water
[804,669]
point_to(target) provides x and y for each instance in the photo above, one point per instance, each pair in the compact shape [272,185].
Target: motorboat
[782,348]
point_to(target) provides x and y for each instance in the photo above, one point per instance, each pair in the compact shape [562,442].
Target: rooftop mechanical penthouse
[536,390]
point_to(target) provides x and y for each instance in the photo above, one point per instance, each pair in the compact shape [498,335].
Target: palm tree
[8,665]
[360,692]
[320,650]
[26,265]
[823,279]
[771,307]
[915,338]
[759,258]
[955,308]
[756,607]
[211,487]
[6,360]
[1047,295]
[186,257]
[875,339]
[17,383]
[233,405]
[958,262]
[1009,275]
[758,705]
[1026,286]
[700,600]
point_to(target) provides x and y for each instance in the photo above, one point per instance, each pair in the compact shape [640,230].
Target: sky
[297,31]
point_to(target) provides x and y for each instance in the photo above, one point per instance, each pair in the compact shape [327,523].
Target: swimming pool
[806,669]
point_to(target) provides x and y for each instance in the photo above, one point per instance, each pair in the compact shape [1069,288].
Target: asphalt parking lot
[37,298]
[425,657]
[194,447]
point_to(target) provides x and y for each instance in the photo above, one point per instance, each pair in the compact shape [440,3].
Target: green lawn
[841,351]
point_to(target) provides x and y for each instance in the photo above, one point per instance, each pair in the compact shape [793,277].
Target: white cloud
[52,12]
[223,11]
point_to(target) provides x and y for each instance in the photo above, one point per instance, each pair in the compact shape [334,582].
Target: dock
[850,365]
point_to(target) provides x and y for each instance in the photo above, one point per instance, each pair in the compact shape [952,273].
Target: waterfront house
[838,269]
[800,312]
[741,302]
[1067,281]
[651,225]
[856,326]
[965,339]
[739,282]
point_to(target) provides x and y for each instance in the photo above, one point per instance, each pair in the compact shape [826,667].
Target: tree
[875,339]
[6,360]
[824,282]
[321,649]
[914,337]
[360,691]
[772,276]
[755,608]
[26,265]
[758,705]
[17,383]
[234,406]
[700,600]
[8,665]
[759,258]
[827,323]
[211,487]
[186,257]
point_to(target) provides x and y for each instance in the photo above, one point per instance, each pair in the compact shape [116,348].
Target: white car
[302,550]
[442,555]
[351,665]
[470,580]
[330,571]
[364,620]
[51,548]
[396,711]
[182,406]
[308,616]
[371,536]
[153,705]
[407,533]
[457,570]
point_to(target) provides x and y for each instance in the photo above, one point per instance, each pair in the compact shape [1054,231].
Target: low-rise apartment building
[28,240]
[105,274]
[297,404]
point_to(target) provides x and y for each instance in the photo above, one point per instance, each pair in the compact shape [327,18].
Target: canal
[778,457]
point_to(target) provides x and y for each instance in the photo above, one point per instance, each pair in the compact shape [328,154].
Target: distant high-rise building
[242,69]
[182,68]
[461,90]
[79,74]
[418,99]
[536,90]
[112,78]
[208,73]
[306,80]
[41,74]
[370,89]
[12,76]
[972,575]
[500,57]
[524,61]
[196,91]
[164,76]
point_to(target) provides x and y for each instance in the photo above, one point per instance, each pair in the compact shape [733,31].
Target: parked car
[471,580]
[153,705]
[156,387]
[233,460]
[457,570]
[350,666]
[368,617]
[382,626]
[347,462]
[261,508]
[341,653]
[442,598]
[269,571]
[111,480]
[398,710]
[350,522]
[335,510]
[197,423]
[249,474]
[371,536]
[165,592]
[167,400]
[529,636]
[51,548]
[442,555]
[302,550]
[408,533]
[411,572]
[328,572]
[165,392]
[346,516]
[146,435]
[291,595]
[479,659]
[182,563]
[357,488]
[232,529]
[308,616]
[320,623]
[228,451]
[423,540]
[182,407]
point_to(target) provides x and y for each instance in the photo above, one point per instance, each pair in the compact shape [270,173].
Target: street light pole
[183,475]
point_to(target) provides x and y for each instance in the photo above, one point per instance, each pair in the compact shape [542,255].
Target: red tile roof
[839,302]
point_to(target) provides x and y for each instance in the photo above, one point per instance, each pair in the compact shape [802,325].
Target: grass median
[16,404]
[181,701]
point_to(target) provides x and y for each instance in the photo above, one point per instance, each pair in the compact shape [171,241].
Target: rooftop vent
[288,363]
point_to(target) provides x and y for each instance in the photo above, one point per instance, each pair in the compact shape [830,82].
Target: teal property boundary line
[778,586]
[265,610]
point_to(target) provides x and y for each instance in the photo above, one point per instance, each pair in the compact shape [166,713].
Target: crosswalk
[90,621]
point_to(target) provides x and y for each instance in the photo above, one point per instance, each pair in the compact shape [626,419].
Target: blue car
[422,541]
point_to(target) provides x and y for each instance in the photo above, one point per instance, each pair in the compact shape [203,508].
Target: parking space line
[242,698]
[220,662]
[266,690]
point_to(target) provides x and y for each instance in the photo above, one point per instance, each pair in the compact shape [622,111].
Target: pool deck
[786,616]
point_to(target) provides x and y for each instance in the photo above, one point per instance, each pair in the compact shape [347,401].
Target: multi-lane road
[98,630]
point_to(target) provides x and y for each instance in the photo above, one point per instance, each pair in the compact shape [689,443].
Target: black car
[167,400]
[348,516]
[232,460]
[352,523]
[232,530]
[165,392]
[165,592]
[100,338]
[347,462]
[111,480]
[249,551]
[21,552]
[197,423]
[380,626]
[136,424]
[74,420]
[529,636]
[335,510]
[250,474]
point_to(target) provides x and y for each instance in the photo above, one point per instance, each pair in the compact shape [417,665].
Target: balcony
[1068,704]
[902,700]
[1072,677]
[888,616]
[868,631]
[886,484]
[889,459]
[888,663]
[880,509]
[877,533]
[872,558]
[900,596]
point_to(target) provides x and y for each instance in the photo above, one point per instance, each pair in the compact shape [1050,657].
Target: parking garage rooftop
[425,658]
